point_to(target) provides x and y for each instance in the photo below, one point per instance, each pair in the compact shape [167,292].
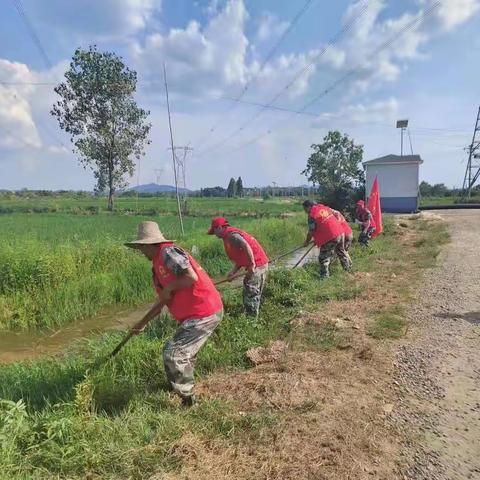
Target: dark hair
[308,204]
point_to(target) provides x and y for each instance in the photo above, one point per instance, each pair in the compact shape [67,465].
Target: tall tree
[97,108]
[232,188]
[239,187]
[425,189]
[335,166]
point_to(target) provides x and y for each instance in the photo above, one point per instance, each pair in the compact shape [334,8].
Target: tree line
[109,131]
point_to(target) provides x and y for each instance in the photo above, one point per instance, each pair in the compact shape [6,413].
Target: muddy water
[17,346]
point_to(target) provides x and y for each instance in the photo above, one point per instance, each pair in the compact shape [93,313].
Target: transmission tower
[472,173]
[158,174]
[180,155]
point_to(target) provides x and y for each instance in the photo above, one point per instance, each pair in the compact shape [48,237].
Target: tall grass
[73,416]
[55,268]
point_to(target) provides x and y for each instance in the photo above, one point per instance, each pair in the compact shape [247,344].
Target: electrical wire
[31,32]
[346,76]
[292,81]
[236,100]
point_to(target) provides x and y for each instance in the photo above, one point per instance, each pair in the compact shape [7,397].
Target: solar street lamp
[402,124]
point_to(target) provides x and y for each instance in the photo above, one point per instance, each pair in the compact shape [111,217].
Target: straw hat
[148,233]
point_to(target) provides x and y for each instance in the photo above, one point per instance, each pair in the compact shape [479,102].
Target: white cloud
[452,13]
[212,60]
[200,61]
[270,26]
[105,18]
[378,112]
[16,120]
[380,48]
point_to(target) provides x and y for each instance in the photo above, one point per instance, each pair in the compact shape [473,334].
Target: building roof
[394,159]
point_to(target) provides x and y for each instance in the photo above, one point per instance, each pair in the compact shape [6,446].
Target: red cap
[361,203]
[218,222]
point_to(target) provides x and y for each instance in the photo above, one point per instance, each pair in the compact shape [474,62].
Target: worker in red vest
[364,218]
[245,252]
[192,299]
[327,233]
[347,230]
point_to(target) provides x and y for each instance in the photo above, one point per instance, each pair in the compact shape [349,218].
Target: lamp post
[402,124]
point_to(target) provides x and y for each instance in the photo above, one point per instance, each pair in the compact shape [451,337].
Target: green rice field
[57,267]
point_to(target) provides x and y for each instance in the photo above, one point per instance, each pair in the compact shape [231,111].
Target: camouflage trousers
[347,243]
[180,353]
[327,252]
[253,286]
[365,237]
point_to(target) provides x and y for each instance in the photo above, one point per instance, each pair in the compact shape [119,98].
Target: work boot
[189,401]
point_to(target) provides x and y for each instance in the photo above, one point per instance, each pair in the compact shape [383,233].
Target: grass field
[256,207]
[63,418]
[428,201]
[56,268]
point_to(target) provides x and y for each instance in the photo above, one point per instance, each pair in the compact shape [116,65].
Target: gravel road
[437,373]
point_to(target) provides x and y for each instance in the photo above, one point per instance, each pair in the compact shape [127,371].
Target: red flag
[375,208]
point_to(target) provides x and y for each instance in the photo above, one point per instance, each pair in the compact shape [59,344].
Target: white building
[398,178]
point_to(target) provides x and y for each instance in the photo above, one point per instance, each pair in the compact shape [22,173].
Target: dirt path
[437,375]
[370,409]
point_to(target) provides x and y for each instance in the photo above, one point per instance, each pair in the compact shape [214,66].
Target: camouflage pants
[348,242]
[180,353]
[365,237]
[328,250]
[252,290]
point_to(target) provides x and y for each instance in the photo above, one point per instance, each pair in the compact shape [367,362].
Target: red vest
[240,257]
[197,301]
[327,227]
[347,230]
[363,214]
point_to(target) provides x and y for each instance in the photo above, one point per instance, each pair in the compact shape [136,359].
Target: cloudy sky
[253,83]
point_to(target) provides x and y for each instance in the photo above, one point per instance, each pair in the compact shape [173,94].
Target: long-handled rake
[132,332]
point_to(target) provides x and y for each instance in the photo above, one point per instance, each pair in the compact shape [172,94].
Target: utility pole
[472,172]
[173,151]
[138,183]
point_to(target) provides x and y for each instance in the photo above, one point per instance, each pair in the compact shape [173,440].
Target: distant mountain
[154,188]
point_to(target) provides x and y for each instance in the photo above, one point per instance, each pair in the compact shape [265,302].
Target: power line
[267,58]
[347,75]
[295,78]
[31,32]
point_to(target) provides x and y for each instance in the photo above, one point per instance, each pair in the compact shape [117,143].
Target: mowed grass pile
[56,268]
[73,417]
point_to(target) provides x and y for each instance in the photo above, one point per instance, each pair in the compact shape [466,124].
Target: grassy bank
[117,421]
[56,268]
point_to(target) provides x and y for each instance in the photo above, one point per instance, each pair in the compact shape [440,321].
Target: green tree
[232,188]
[425,189]
[335,165]
[439,190]
[97,108]
[239,187]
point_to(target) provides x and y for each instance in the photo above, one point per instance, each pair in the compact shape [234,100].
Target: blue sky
[215,49]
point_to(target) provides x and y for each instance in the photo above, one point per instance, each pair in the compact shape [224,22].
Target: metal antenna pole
[138,181]
[173,151]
